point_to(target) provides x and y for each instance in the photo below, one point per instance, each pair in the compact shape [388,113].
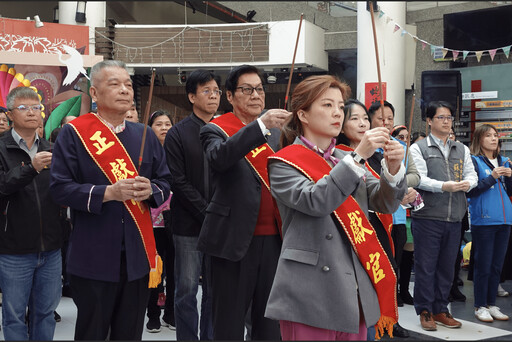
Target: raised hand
[372,139]
[275,118]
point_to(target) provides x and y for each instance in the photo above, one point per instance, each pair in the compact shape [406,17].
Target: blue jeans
[490,245]
[436,244]
[32,280]
[189,265]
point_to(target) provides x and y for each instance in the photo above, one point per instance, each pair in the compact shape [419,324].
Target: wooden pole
[410,128]
[378,64]
[293,62]
[146,118]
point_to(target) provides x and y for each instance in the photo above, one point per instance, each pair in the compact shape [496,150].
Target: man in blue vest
[447,173]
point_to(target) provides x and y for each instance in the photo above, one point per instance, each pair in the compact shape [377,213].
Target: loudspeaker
[441,85]
[375,6]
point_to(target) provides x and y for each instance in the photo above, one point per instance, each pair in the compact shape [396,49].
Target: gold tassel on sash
[155,274]
[384,322]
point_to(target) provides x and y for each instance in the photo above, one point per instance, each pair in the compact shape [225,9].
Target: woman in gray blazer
[333,278]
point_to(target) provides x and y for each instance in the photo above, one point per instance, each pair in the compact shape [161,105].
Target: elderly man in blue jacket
[111,257]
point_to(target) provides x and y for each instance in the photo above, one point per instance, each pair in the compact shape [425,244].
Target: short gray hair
[110,63]
[23,93]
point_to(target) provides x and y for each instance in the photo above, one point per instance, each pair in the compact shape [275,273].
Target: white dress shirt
[434,185]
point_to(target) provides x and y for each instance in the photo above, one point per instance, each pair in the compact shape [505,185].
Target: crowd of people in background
[300,224]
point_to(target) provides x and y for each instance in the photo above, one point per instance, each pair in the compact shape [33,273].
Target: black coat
[232,213]
[185,159]
[29,219]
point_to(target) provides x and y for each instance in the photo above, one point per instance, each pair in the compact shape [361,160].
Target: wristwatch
[357,158]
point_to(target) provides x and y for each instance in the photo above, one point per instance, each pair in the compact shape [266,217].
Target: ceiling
[196,11]
[349,8]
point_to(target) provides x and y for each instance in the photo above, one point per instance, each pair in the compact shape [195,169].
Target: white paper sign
[480,95]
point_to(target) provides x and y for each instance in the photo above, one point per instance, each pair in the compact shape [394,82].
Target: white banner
[480,95]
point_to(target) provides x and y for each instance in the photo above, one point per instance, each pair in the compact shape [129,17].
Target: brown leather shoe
[427,322]
[446,319]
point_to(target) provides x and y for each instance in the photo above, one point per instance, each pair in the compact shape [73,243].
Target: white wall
[282,38]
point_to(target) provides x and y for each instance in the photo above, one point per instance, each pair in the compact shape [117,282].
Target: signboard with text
[372,94]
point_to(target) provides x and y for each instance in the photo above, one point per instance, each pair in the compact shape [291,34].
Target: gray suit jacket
[319,276]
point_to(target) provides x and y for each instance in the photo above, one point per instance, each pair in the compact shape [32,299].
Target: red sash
[111,157]
[257,158]
[385,219]
[355,225]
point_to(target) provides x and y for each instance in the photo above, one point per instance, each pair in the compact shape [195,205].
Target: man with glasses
[31,235]
[191,189]
[240,231]
[447,173]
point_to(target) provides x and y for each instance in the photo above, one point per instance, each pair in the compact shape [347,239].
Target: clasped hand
[41,159]
[452,186]
[138,189]
[501,171]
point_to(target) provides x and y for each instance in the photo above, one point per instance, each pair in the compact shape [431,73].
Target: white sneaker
[502,292]
[483,314]
[497,314]
[168,325]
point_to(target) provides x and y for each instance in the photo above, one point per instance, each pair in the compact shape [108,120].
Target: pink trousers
[293,331]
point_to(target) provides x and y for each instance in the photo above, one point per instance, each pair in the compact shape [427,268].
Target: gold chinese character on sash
[258,150]
[100,143]
[378,273]
[119,169]
[142,206]
[356,224]
[457,171]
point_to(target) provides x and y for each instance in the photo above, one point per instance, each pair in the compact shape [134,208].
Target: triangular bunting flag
[478,55]
[464,54]
[397,27]
[432,49]
[455,54]
[423,45]
[403,33]
[492,53]
[445,51]
[381,13]
[388,19]
[506,50]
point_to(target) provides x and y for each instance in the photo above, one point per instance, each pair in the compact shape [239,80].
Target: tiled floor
[472,329]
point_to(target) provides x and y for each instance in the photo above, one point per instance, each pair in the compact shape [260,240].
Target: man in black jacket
[186,162]
[240,230]
[31,234]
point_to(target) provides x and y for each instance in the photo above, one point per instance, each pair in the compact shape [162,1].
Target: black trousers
[405,270]
[236,283]
[399,236]
[383,238]
[165,248]
[107,306]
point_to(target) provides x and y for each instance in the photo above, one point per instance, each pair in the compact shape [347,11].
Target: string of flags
[433,48]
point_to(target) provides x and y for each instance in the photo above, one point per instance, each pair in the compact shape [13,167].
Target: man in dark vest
[447,173]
